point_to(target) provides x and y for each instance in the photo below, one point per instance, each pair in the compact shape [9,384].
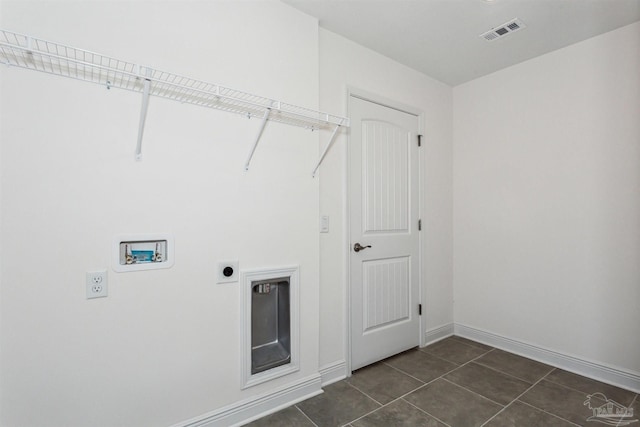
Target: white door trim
[390,103]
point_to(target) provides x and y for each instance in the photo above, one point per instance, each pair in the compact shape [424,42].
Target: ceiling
[441,38]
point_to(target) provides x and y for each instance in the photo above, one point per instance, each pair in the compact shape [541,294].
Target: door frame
[389,103]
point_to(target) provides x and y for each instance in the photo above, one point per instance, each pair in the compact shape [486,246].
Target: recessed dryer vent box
[142,252]
[271,324]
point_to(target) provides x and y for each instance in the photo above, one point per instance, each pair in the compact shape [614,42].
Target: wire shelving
[36,54]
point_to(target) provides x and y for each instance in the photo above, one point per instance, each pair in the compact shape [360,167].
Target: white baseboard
[596,371]
[333,372]
[439,333]
[247,410]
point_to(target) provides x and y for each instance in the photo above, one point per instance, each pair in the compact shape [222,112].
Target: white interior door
[384,199]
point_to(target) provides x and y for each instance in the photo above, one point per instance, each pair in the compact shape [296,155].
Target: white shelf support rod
[143,117]
[258,136]
[326,149]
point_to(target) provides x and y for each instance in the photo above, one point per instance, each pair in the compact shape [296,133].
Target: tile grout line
[306,416]
[552,369]
[528,404]
[400,397]
[474,392]
[548,413]
[422,410]
[405,373]
[426,384]
[582,391]
[470,342]
[544,377]
[504,407]
[406,401]
[365,415]
[417,388]
[423,349]
[630,405]
[511,375]
[365,394]
[500,371]
[458,342]
[423,384]
[467,342]
[458,365]
[516,398]
[395,400]
[444,379]
[462,365]
[475,358]
[374,400]
[368,413]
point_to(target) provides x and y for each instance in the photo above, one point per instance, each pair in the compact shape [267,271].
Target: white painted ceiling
[441,37]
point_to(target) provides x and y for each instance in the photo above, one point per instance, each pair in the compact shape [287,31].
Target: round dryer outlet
[227,271]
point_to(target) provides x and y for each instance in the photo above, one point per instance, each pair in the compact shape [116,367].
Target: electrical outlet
[96,284]
[227,271]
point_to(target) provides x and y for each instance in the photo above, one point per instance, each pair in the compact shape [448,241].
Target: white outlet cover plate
[96,284]
[221,265]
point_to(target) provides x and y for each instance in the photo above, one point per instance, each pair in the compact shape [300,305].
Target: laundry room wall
[164,346]
[547,207]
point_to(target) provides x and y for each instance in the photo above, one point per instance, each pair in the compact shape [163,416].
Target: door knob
[358,247]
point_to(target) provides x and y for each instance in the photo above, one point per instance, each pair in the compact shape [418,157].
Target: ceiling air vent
[503,30]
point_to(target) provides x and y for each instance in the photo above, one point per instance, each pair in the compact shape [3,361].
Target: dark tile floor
[456,382]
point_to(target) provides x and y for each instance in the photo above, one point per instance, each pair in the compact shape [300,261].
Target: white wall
[345,64]
[164,347]
[547,201]
[1,344]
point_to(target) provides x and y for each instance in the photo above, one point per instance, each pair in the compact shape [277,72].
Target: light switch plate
[324,223]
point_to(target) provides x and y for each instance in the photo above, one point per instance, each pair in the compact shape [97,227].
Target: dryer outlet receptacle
[227,271]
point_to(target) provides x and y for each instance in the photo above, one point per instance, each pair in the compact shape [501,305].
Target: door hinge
[419,225]
[419,309]
[419,140]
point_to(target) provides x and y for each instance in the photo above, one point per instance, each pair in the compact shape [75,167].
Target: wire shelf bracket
[326,148]
[31,53]
[258,136]
[143,117]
